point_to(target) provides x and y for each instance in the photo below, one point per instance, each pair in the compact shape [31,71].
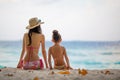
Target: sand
[46,74]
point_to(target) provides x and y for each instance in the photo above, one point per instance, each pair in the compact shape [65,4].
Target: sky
[89,20]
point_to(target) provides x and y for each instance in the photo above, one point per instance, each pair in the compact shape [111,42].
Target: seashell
[107,72]
[36,78]
[52,72]
[9,74]
[84,72]
[64,72]
[79,71]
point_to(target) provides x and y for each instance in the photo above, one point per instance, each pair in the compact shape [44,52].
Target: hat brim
[31,27]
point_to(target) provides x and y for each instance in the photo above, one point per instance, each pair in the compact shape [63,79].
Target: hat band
[33,24]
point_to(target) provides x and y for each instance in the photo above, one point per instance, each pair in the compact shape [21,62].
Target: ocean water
[82,54]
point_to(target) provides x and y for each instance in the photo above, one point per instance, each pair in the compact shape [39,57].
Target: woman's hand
[46,66]
[51,68]
[20,64]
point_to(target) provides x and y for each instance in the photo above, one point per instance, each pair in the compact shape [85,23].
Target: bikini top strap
[31,47]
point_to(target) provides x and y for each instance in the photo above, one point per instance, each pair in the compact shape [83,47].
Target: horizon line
[71,40]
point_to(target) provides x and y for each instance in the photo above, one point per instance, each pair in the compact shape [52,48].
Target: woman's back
[33,49]
[32,41]
[36,39]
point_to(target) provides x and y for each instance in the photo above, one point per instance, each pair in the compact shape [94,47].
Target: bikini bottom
[33,64]
[59,67]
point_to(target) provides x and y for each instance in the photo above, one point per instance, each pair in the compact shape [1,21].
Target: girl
[58,53]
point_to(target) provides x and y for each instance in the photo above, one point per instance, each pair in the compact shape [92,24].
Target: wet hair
[36,30]
[56,36]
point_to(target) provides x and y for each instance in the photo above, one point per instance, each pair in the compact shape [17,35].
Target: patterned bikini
[32,64]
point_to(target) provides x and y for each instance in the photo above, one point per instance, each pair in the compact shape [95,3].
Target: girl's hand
[69,67]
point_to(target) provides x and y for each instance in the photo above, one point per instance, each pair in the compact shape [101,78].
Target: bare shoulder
[50,48]
[63,47]
[25,34]
[42,36]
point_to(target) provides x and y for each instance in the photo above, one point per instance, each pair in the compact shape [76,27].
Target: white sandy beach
[46,74]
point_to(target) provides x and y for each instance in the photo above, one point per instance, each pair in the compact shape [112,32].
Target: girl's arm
[44,52]
[22,53]
[67,60]
[49,59]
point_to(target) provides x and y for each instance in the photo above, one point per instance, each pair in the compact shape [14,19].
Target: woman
[58,53]
[31,44]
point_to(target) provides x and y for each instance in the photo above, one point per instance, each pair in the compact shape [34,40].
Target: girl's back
[57,53]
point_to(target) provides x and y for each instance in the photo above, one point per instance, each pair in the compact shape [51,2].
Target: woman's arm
[49,58]
[22,53]
[44,52]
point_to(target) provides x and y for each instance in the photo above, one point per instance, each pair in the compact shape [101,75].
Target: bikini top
[30,50]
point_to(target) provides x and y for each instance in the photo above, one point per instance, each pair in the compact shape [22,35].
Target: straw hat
[34,22]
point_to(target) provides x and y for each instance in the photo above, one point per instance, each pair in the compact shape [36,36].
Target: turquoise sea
[82,54]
